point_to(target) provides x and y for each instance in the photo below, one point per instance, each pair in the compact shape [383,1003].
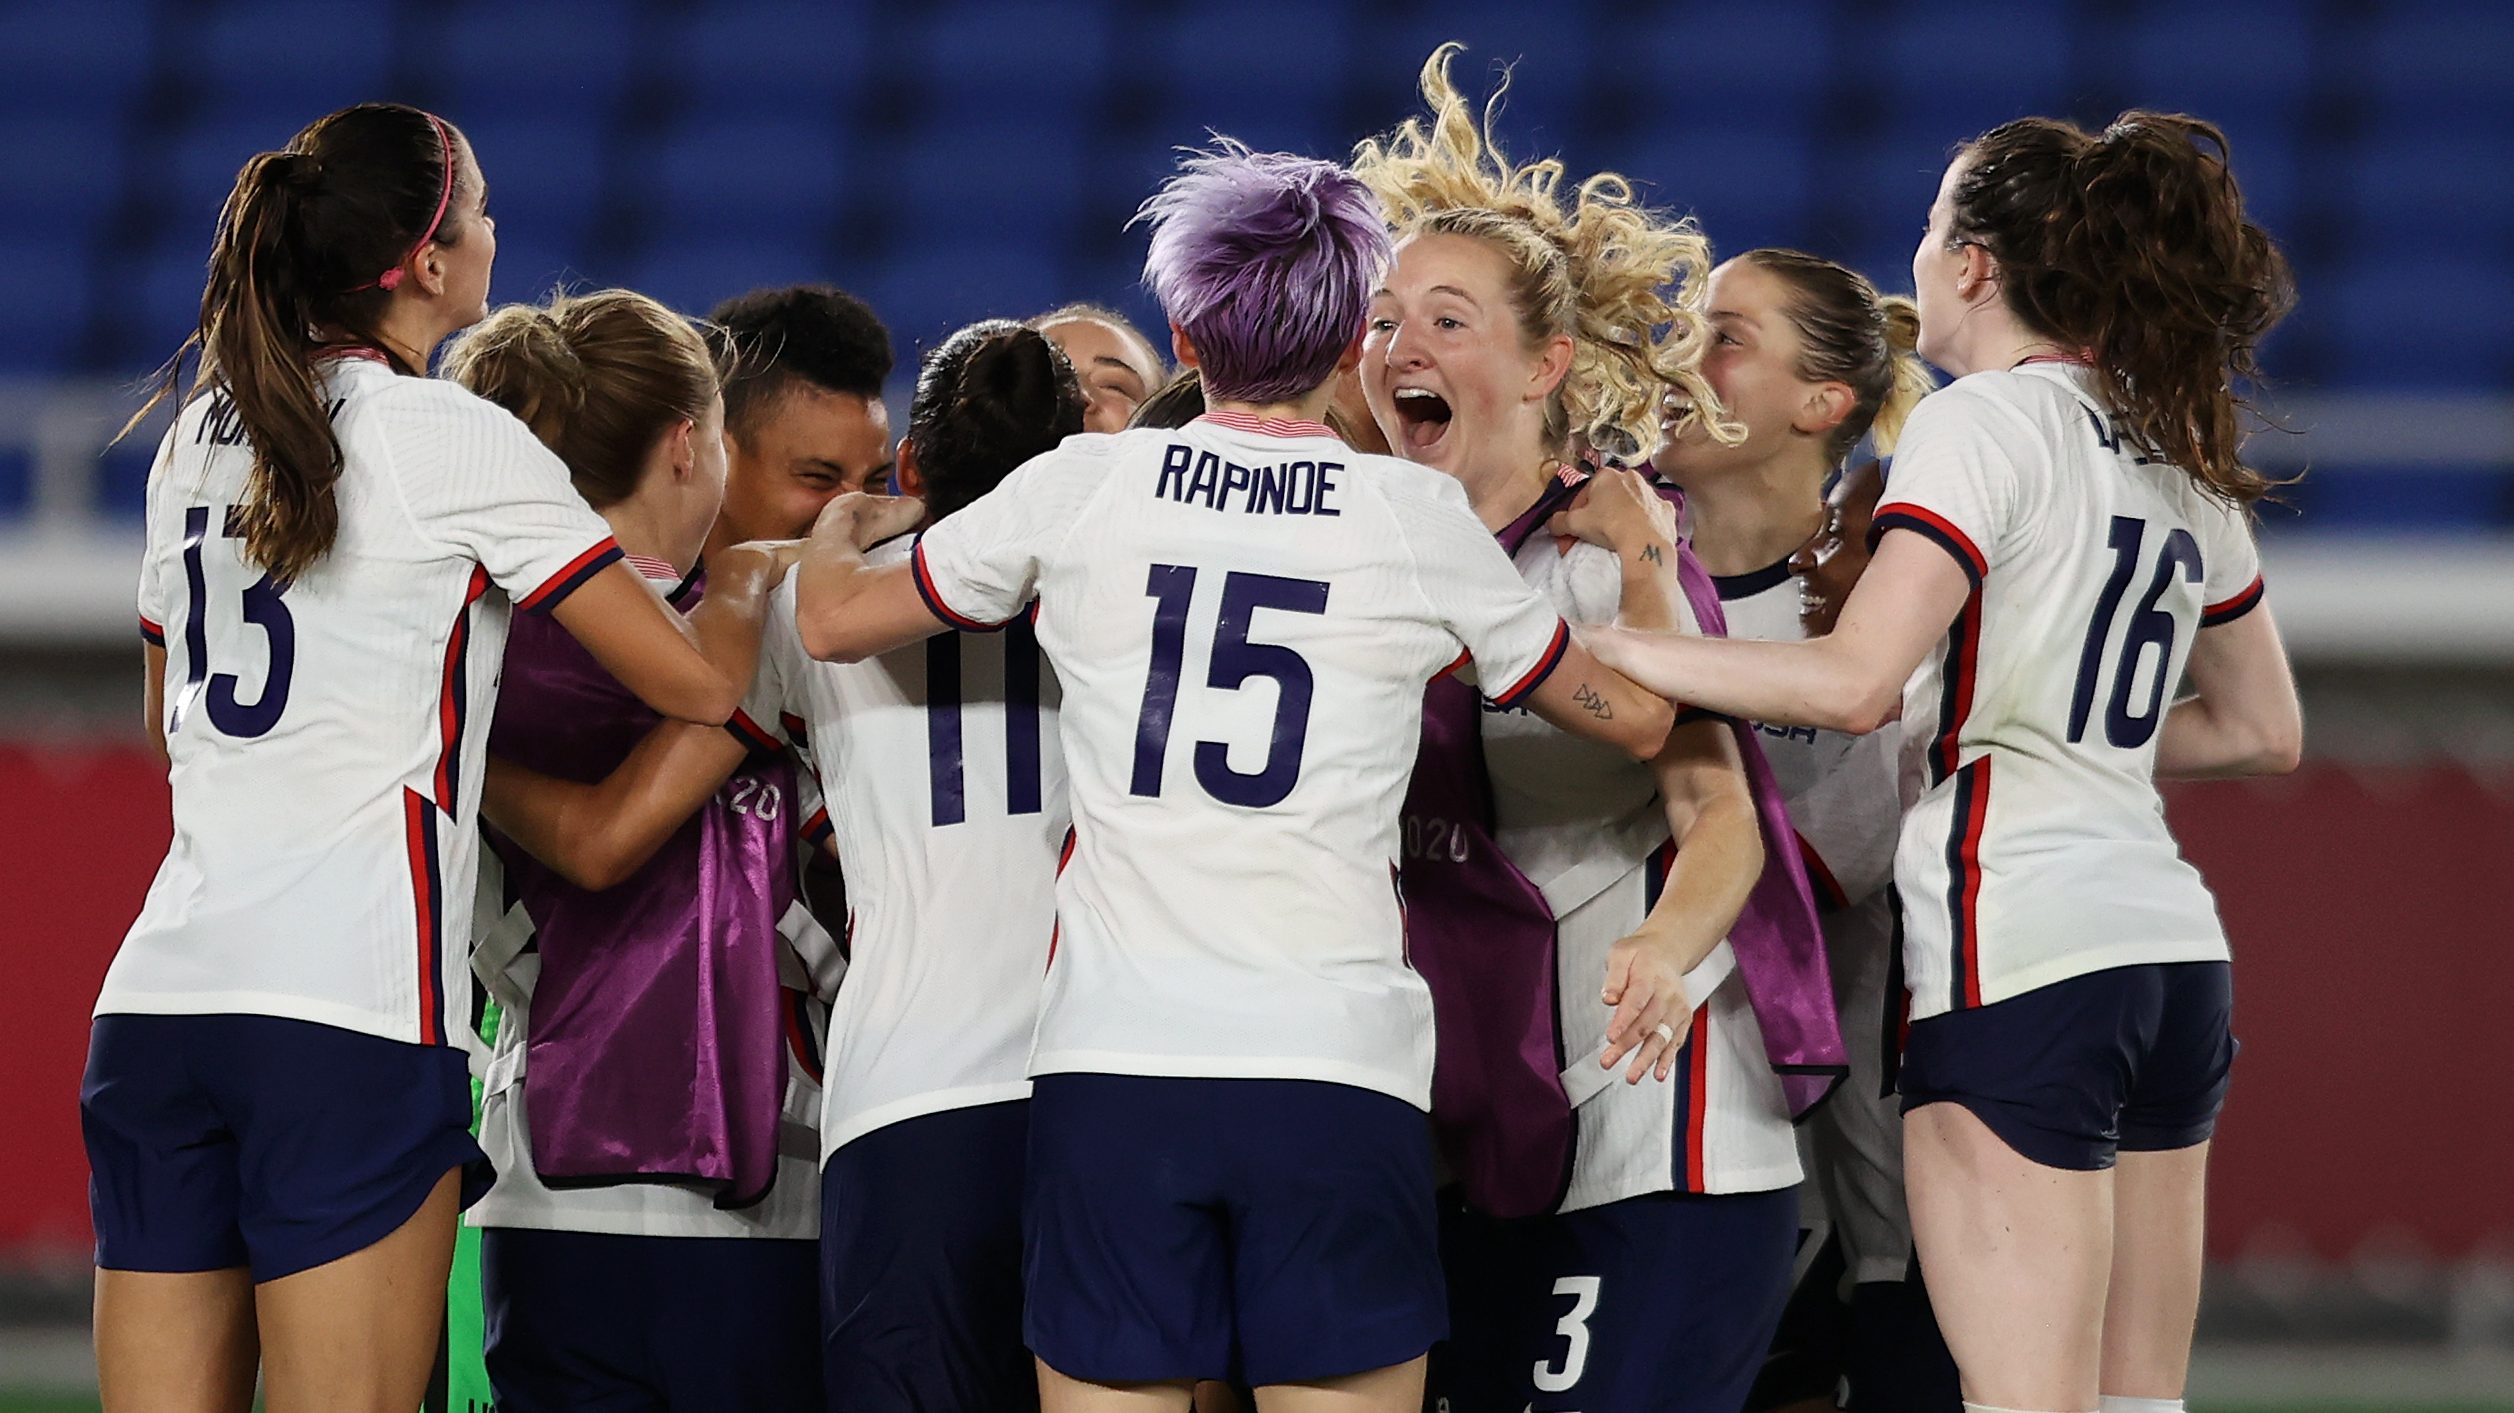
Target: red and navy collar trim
[1269,426]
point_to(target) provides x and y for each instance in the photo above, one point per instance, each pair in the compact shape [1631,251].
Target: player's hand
[1652,1012]
[773,557]
[863,519]
[1618,510]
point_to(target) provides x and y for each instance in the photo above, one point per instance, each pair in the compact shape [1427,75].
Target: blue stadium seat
[287,62]
[790,58]
[763,175]
[2236,64]
[1748,186]
[529,268]
[62,176]
[75,61]
[1960,68]
[2397,323]
[1738,63]
[2446,61]
[1012,180]
[122,476]
[546,174]
[17,481]
[1280,86]
[2378,500]
[572,57]
[43,304]
[692,277]
[994,60]
[2444,194]
[925,292]
[192,175]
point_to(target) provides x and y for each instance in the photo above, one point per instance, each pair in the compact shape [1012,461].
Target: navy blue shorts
[1872,1347]
[692,1324]
[278,1145]
[920,1274]
[1262,1231]
[2068,1074]
[1657,1304]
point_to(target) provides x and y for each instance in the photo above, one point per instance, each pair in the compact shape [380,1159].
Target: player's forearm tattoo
[1650,553]
[1592,703]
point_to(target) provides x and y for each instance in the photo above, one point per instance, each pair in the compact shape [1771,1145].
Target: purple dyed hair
[1267,261]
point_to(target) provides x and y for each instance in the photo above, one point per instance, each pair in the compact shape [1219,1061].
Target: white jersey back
[2035,846]
[945,782]
[1586,825]
[326,734]
[1243,616]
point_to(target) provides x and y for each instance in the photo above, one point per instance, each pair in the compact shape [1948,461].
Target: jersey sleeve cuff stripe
[1828,889]
[1544,668]
[152,630]
[934,599]
[2228,610]
[571,578]
[751,734]
[1936,527]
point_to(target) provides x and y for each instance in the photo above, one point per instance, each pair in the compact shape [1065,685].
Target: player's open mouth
[1423,419]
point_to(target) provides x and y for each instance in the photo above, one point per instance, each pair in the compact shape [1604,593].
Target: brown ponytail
[1850,334]
[2134,247]
[293,268]
[598,377]
[993,396]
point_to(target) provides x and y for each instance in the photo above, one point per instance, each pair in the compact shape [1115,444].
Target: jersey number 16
[2126,724]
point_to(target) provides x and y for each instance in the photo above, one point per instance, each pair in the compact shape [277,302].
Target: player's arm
[1587,698]
[1719,856]
[596,836]
[694,669]
[846,610]
[2242,717]
[1848,680]
[153,693]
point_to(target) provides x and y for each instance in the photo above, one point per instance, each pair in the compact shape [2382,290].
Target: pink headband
[393,277]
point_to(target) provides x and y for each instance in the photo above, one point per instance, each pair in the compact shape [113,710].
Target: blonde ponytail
[1910,379]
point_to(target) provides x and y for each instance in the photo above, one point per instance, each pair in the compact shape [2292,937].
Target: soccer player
[804,419]
[276,1125]
[1118,366]
[1808,359]
[2065,534]
[1229,1174]
[947,806]
[669,1264]
[1655,1279]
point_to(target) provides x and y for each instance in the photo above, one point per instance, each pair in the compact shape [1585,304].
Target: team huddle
[1461,851]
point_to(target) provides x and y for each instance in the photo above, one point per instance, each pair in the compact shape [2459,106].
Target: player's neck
[644,529]
[1501,490]
[1754,516]
[1310,408]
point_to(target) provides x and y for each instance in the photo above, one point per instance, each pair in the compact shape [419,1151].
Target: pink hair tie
[392,278]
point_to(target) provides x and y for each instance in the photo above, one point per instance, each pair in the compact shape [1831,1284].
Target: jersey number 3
[1235,661]
[2127,725]
[263,609]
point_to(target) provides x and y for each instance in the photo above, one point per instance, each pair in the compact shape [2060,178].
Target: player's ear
[1183,348]
[1553,365]
[1979,272]
[1826,405]
[680,450]
[904,466]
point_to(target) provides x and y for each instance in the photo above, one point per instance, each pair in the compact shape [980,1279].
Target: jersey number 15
[1235,660]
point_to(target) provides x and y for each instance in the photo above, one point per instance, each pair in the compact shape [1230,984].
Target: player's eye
[1381,326]
[1449,321]
[1724,336]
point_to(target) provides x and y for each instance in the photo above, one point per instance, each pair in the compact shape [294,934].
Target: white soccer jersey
[326,734]
[1243,616]
[2035,847]
[1843,798]
[945,781]
[1586,825]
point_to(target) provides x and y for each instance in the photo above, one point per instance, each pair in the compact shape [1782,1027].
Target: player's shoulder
[419,415]
[1405,485]
[1996,399]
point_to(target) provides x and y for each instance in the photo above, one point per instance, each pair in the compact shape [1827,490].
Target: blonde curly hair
[1624,283]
